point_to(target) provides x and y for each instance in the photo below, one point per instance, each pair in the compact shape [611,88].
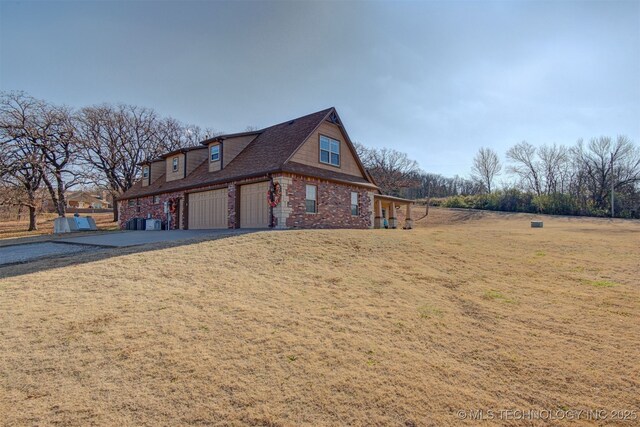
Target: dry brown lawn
[469,311]
[15,229]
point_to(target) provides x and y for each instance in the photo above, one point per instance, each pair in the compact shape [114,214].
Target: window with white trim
[175,164]
[311,199]
[215,153]
[145,172]
[354,203]
[156,200]
[131,203]
[329,151]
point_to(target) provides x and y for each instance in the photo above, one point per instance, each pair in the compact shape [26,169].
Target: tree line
[587,178]
[53,148]
[398,175]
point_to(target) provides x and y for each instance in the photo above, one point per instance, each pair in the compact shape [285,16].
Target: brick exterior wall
[333,205]
[146,206]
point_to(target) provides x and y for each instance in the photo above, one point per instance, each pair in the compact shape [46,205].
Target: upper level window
[311,199]
[215,153]
[329,151]
[145,172]
[175,164]
[131,203]
[354,203]
[156,200]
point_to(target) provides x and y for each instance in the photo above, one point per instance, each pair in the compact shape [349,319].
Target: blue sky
[434,79]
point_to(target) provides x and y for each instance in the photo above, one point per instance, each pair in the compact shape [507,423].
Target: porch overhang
[385,208]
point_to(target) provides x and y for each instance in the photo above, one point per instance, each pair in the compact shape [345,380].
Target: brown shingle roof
[230,135]
[306,170]
[267,153]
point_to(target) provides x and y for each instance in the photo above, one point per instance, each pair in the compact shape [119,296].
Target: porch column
[377,221]
[409,221]
[282,211]
[393,221]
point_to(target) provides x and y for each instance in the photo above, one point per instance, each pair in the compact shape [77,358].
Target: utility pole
[612,186]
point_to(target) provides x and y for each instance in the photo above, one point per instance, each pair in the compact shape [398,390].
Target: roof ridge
[259,131]
[299,118]
[265,131]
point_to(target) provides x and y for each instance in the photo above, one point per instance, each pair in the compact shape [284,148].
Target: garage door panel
[208,209]
[254,210]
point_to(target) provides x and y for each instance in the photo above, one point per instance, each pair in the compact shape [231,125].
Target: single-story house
[302,173]
[86,200]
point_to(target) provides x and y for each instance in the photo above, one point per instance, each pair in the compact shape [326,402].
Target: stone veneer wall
[145,206]
[231,206]
[333,205]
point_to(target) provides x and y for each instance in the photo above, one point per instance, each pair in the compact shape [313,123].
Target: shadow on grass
[96,253]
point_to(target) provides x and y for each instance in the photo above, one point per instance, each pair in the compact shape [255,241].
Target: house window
[311,199]
[156,200]
[131,203]
[175,164]
[329,151]
[354,203]
[145,172]
[215,153]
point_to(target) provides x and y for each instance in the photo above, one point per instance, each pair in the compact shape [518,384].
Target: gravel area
[23,253]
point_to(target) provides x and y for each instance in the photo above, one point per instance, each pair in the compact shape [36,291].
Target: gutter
[247,176]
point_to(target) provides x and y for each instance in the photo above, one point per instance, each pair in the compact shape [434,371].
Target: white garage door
[254,210]
[208,209]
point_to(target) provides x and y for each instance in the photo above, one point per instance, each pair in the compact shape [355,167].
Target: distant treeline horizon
[579,179]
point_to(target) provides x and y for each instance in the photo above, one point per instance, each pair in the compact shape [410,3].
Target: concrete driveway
[59,247]
[136,238]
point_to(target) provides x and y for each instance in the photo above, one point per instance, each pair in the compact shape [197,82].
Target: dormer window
[329,151]
[215,153]
[145,172]
[175,164]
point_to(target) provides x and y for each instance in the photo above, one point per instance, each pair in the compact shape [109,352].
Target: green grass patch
[540,253]
[600,283]
[494,295]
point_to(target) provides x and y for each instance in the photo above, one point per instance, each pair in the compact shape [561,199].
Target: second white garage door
[254,210]
[208,209]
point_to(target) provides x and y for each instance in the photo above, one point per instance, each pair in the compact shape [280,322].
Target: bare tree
[113,141]
[554,167]
[392,170]
[486,166]
[59,149]
[605,163]
[171,134]
[21,161]
[48,129]
[525,165]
